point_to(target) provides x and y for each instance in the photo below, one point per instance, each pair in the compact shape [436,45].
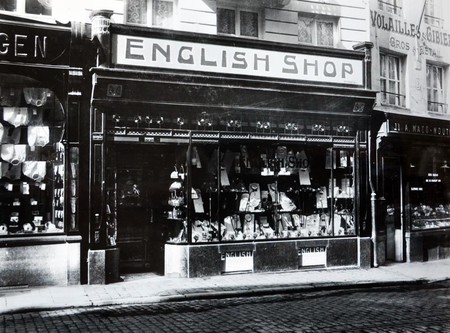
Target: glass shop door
[143,179]
[393,193]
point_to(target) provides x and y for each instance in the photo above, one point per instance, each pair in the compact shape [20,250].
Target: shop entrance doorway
[142,180]
[393,193]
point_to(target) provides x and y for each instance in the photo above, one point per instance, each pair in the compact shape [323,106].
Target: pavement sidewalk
[149,288]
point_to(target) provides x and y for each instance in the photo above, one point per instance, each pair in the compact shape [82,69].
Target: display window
[428,185]
[227,178]
[32,179]
[255,191]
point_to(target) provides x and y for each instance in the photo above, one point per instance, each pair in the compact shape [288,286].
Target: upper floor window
[391,80]
[391,6]
[435,89]
[158,13]
[432,13]
[34,7]
[316,31]
[238,22]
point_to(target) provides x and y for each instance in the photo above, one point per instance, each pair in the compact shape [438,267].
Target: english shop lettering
[238,254]
[316,249]
[150,52]
[291,162]
[185,55]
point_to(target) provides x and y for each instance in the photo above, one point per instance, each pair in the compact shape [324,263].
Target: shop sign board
[417,128]
[236,261]
[410,36]
[312,256]
[180,55]
[36,44]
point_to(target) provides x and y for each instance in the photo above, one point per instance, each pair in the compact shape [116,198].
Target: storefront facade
[413,154]
[39,231]
[214,155]
[411,55]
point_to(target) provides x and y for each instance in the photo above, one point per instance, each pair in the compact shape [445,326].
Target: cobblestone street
[407,309]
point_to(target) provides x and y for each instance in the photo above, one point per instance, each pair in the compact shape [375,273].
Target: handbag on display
[255,196]
[38,136]
[286,220]
[35,170]
[10,96]
[198,201]
[286,203]
[35,96]
[16,116]
[243,204]
[14,172]
[15,136]
[176,185]
[14,154]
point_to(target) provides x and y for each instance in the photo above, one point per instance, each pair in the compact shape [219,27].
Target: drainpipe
[373,207]
[366,47]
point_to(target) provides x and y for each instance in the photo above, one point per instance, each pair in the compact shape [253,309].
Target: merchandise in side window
[32,163]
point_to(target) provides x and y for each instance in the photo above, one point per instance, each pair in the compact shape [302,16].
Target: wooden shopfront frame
[418,147]
[131,90]
[37,54]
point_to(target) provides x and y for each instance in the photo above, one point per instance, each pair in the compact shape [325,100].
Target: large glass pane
[325,34]
[204,196]
[439,78]
[392,68]
[136,11]
[383,66]
[305,29]
[38,7]
[428,186]
[226,21]
[392,94]
[383,90]
[74,187]
[249,24]
[243,192]
[9,5]
[33,161]
[162,13]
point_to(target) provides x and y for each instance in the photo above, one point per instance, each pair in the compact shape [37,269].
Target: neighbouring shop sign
[410,29]
[415,127]
[235,261]
[312,256]
[34,44]
[171,54]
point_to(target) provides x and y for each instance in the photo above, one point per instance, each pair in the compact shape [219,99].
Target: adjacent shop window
[428,186]
[237,21]
[156,13]
[33,161]
[391,80]
[316,31]
[435,89]
[432,16]
[391,6]
[35,7]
